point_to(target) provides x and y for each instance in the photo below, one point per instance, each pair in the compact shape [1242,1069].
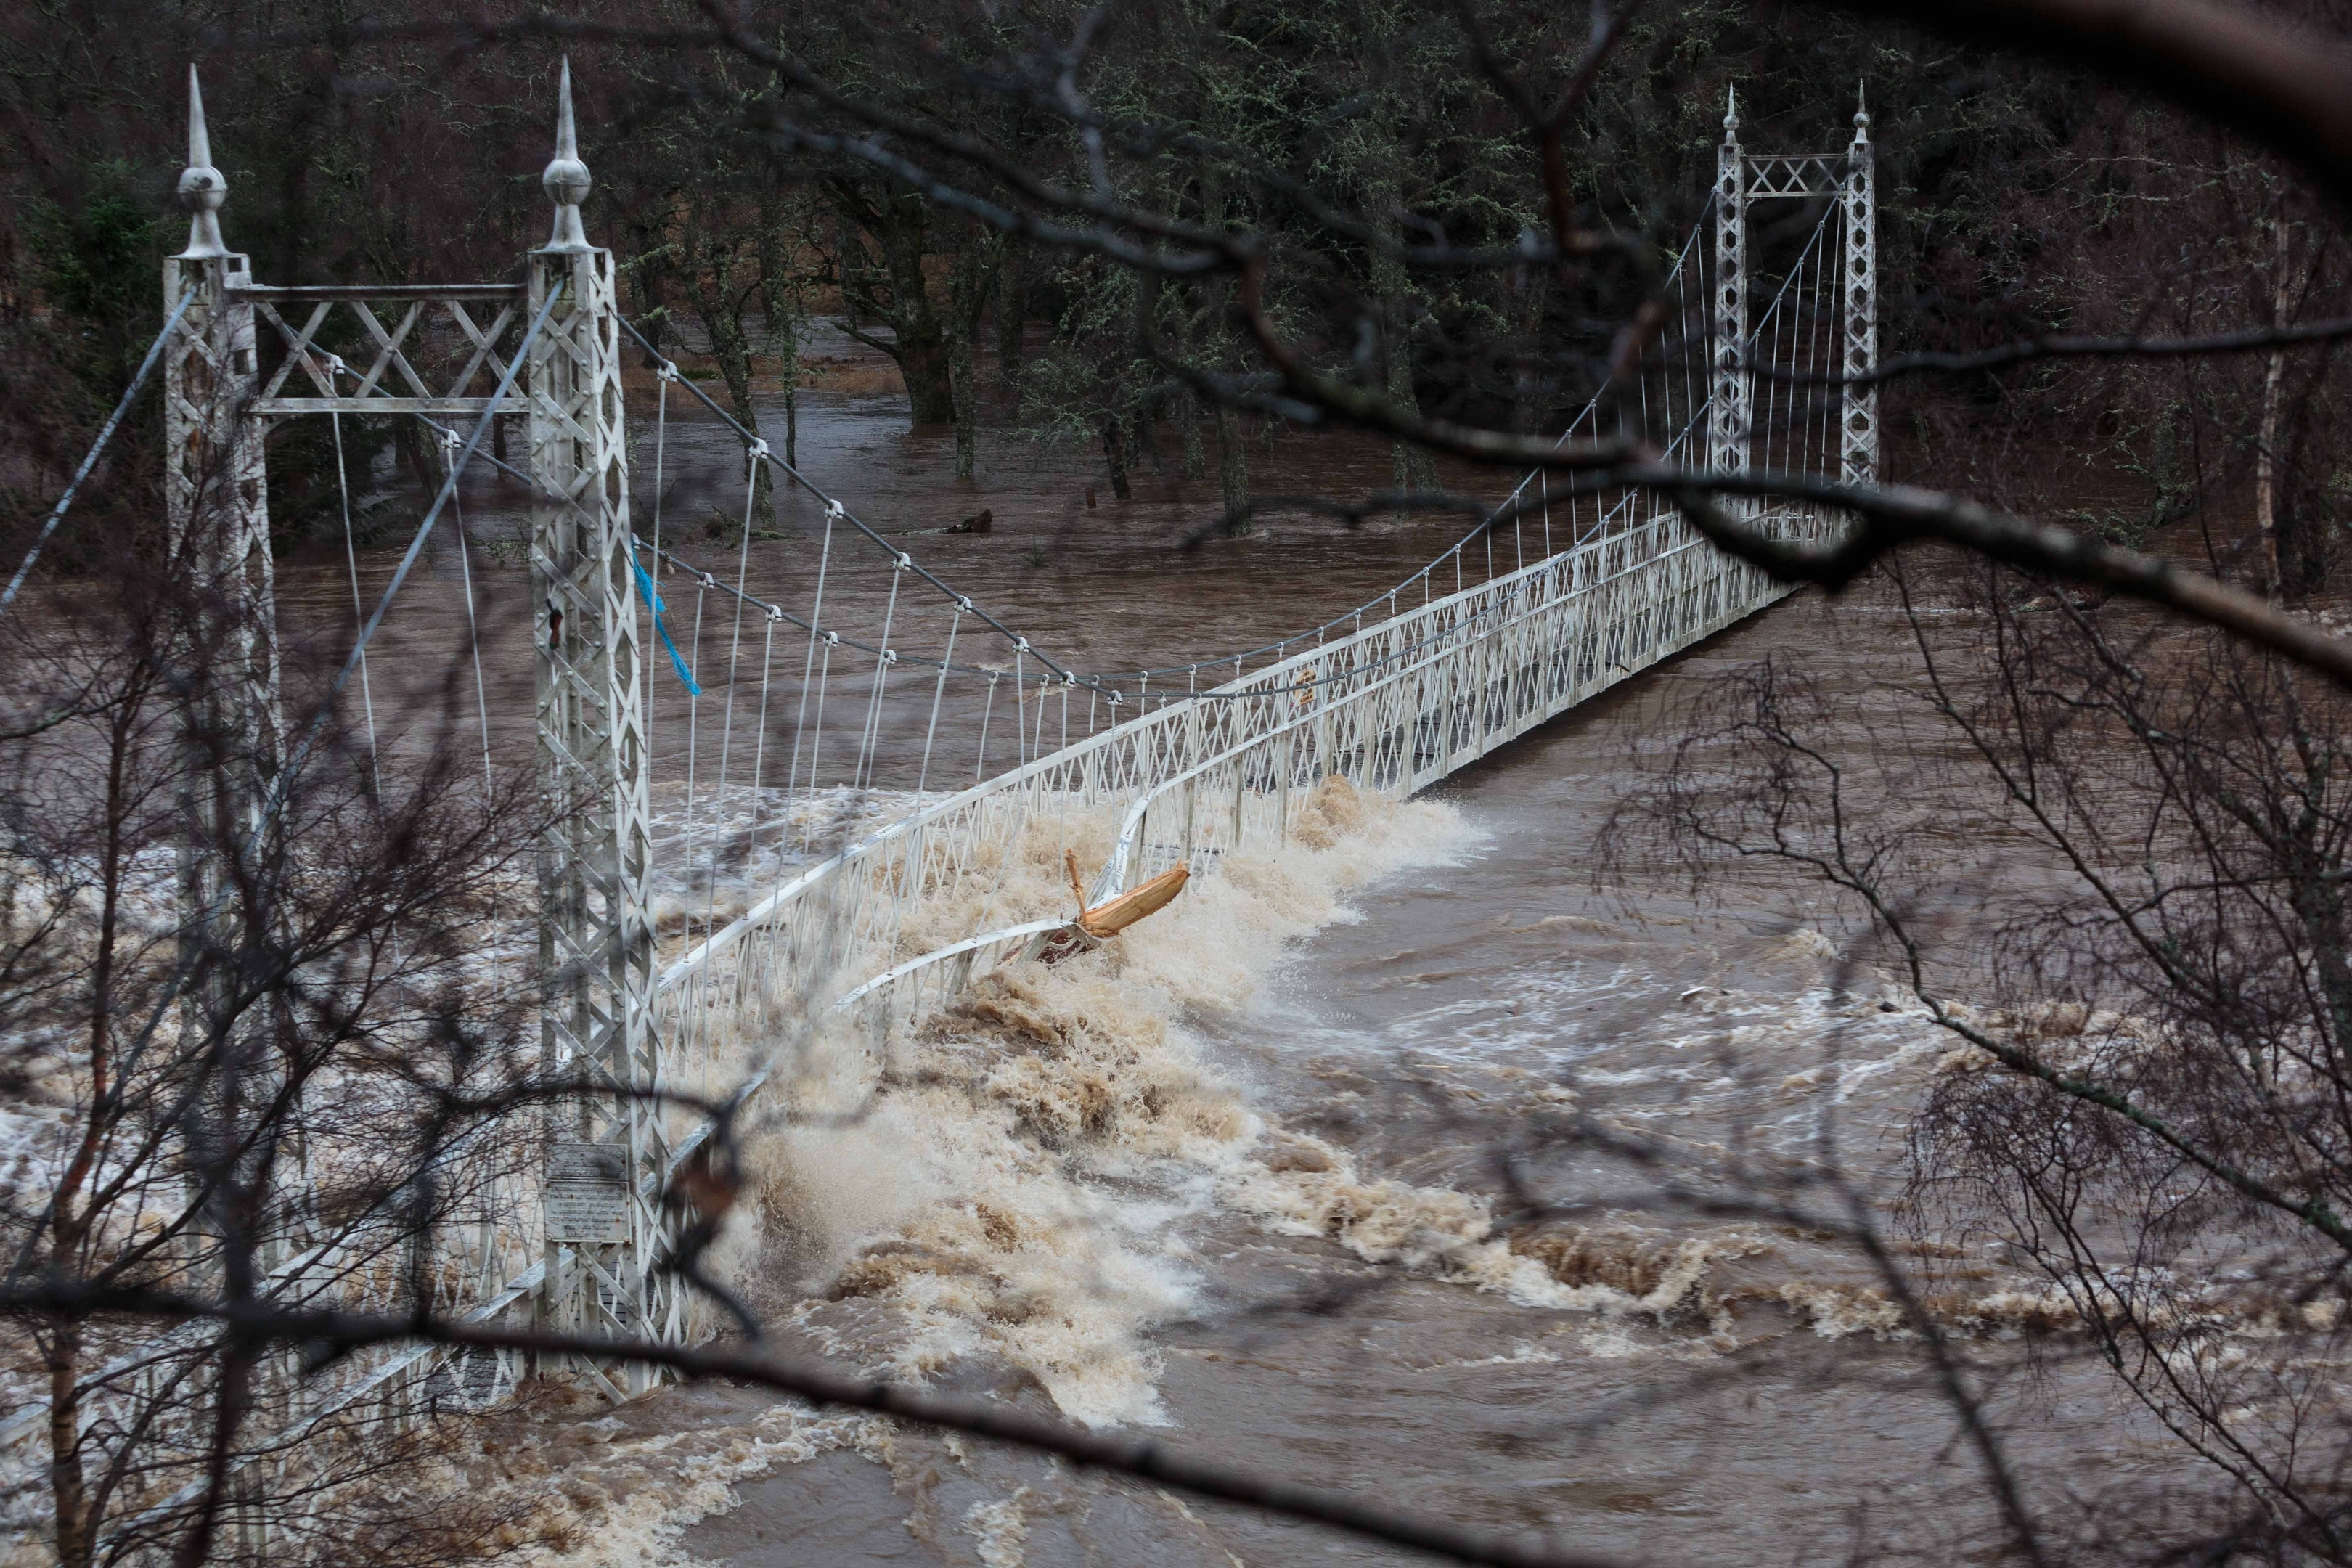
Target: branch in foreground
[1889,515]
[2061,345]
[324,1336]
[1895,515]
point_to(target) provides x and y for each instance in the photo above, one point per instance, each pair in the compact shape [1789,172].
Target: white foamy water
[1013,1183]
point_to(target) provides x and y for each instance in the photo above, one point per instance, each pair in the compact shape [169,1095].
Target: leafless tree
[2142,980]
[249,1035]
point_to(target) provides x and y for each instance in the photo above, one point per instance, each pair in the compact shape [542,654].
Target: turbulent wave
[1007,1184]
[1009,1187]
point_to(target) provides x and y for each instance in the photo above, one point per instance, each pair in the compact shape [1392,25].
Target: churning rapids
[1234,1177]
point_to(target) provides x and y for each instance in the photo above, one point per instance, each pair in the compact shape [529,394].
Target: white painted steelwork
[597,941]
[489,1257]
[1394,709]
[1733,398]
[1858,413]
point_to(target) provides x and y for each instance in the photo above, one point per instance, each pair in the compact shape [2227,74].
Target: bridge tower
[1742,179]
[596,939]
[1735,379]
[217,520]
[608,1150]
[216,490]
[1858,404]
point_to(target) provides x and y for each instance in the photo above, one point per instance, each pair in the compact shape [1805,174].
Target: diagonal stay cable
[710,581]
[280,785]
[58,512]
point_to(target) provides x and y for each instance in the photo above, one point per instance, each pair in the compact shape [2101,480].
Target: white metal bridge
[773,818]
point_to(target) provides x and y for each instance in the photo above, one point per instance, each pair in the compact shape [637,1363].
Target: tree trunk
[70,1217]
[1232,469]
[651,269]
[1232,463]
[66,1488]
[930,384]
[415,456]
[897,221]
[719,304]
[1144,439]
[1391,286]
[1012,324]
[2265,475]
[967,296]
[1114,440]
[1408,466]
[781,297]
[962,386]
[2301,517]
[1527,386]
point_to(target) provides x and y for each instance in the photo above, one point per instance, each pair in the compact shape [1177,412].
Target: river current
[1238,1182]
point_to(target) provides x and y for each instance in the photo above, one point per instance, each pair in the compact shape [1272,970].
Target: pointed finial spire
[567,135]
[201,187]
[1731,114]
[1861,113]
[200,141]
[566,179]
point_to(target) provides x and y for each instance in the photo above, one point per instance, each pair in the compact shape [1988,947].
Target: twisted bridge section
[764,829]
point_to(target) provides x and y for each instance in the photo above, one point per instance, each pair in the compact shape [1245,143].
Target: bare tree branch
[2059,346]
[1895,515]
[325,1336]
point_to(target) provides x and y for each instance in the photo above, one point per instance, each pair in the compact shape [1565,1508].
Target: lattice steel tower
[217,494]
[1858,404]
[1735,382]
[596,938]
[1742,179]
[217,518]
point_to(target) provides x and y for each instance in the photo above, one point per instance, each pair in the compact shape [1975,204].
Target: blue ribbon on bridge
[654,603]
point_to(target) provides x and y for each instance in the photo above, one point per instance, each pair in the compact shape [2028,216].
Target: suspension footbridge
[768,819]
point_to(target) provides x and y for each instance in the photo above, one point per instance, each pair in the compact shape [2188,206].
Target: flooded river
[1259,1181]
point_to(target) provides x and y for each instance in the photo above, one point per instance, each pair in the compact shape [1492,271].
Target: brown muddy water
[1286,1263]
[1234,1182]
